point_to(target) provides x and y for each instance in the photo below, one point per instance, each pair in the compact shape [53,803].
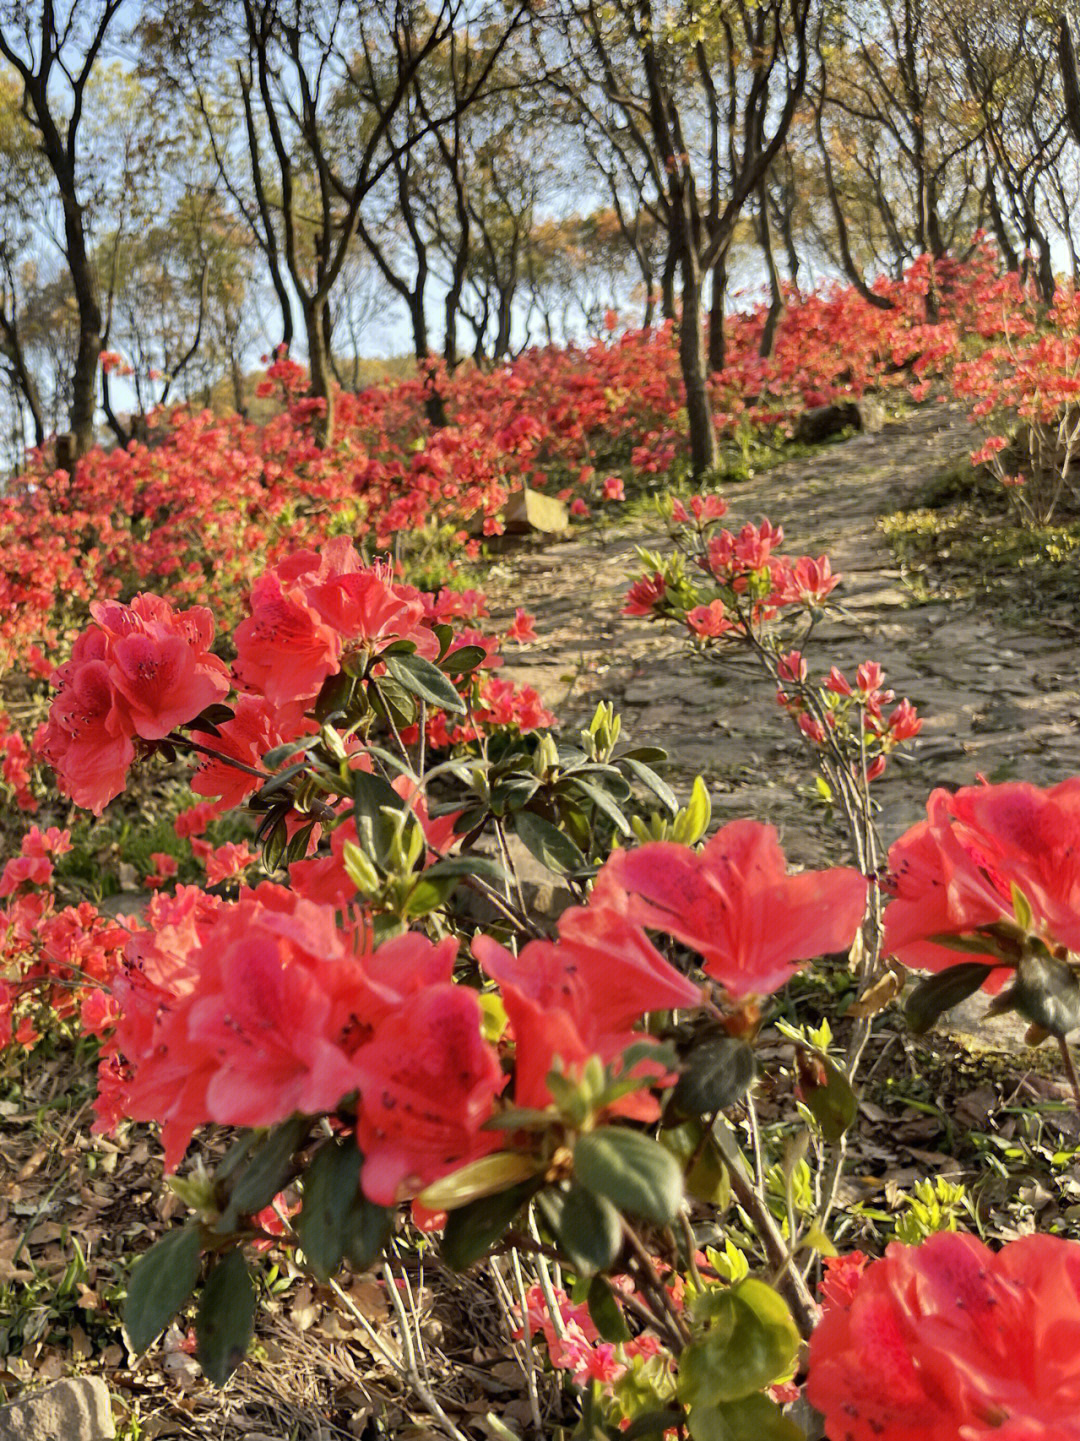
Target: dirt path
[996,699]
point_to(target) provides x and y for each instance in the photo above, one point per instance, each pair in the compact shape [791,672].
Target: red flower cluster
[954,873]
[841,705]
[949,1341]
[245,1013]
[580,995]
[573,1342]
[1031,375]
[140,672]
[314,609]
[734,903]
[51,959]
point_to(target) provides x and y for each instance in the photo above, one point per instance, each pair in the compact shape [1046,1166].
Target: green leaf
[708,1178]
[518,1118]
[274,845]
[297,848]
[644,753]
[569,755]
[513,792]
[470,865]
[648,777]
[389,699]
[985,942]
[282,779]
[226,1319]
[1045,992]
[161,1282]
[717,1072]
[940,992]
[472,1230]
[267,1172]
[335,693]
[692,821]
[603,802]
[548,844]
[585,1227]
[754,1418]
[465,658]
[425,680]
[273,758]
[484,1177]
[751,1342]
[606,1313]
[427,896]
[631,1171]
[337,1219]
[833,1104]
[374,830]
[1025,917]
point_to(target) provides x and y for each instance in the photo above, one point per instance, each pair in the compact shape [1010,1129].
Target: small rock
[872,413]
[75,1409]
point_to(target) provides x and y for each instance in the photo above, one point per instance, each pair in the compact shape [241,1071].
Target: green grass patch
[964,550]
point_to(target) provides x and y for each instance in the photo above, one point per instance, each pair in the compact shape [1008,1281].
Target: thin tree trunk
[717,332]
[649,317]
[24,386]
[703,450]
[320,387]
[667,284]
[776,289]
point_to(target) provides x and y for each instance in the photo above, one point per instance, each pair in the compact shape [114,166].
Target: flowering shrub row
[214,501]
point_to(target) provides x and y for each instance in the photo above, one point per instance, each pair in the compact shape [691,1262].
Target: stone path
[996,699]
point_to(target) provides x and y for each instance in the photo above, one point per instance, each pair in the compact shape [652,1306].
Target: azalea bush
[1025,386]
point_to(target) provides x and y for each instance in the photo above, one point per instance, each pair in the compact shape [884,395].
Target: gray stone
[883,598]
[811,1422]
[969,1021]
[75,1409]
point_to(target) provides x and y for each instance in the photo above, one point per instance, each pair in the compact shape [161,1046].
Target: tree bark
[703,449]
[320,387]
[776,291]
[717,332]
[1070,81]
[667,285]
[24,383]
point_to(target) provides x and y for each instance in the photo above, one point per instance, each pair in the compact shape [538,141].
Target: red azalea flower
[285,650]
[428,1082]
[254,729]
[734,903]
[88,738]
[950,1341]
[955,872]
[643,595]
[580,996]
[160,662]
[141,671]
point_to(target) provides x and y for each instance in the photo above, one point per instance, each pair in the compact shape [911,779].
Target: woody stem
[174,738]
[1070,1069]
